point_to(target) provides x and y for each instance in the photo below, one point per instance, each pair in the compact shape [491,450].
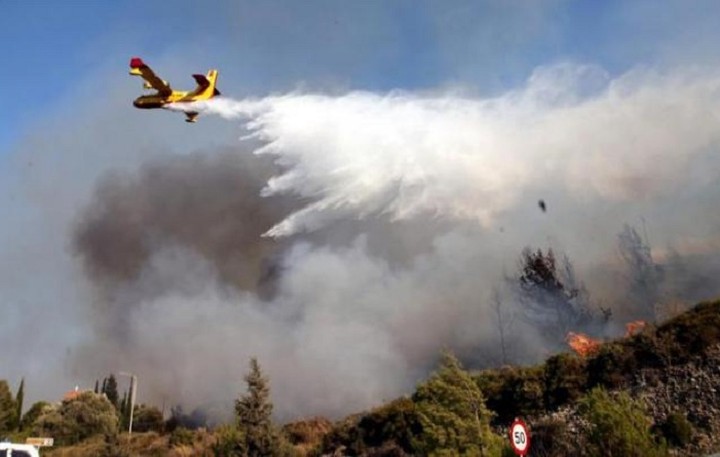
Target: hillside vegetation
[652,394]
[564,396]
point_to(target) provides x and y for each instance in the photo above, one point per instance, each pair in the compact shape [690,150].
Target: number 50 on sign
[519,437]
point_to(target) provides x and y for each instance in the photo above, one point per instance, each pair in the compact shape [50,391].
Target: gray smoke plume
[358,235]
[186,288]
[209,204]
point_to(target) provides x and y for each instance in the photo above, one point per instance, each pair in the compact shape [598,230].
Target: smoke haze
[347,239]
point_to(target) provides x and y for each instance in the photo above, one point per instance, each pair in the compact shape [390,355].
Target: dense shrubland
[575,406]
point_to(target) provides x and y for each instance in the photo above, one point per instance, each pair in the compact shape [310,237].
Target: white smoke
[402,154]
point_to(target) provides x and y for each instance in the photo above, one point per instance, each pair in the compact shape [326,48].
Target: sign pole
[133,389]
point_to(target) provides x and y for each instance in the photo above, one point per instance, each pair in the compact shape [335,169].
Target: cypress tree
[97,390]
[110,390]
[253,412]
[123,409]
[19,397]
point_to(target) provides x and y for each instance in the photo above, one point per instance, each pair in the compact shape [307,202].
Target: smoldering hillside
[367,232]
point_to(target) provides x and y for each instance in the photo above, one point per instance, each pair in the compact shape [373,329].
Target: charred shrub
[611,367]
[651,351]
[692,333]
[308,432]
[396,423]
[676,430]
[565,379]
[512,392]
[551,438]
[391,427]
[181,437]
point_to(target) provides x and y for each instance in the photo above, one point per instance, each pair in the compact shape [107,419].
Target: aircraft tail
[212,77]
[206,85]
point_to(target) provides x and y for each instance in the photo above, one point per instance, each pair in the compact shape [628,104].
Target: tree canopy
[253,411]
[74,420]
[8,408]
[452,413]
[618,426]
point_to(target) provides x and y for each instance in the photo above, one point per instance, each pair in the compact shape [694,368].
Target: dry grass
[148,444]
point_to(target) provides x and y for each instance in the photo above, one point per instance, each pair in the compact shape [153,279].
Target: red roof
[72,395]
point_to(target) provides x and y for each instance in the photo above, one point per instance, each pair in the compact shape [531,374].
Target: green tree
[452,414]
[619,426]
[110,390]
[253,412]
[124,412]
[74,420]
[19,398]
[8,408]
[32,414]
[147,419]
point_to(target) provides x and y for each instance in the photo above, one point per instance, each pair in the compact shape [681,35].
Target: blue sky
[54,47]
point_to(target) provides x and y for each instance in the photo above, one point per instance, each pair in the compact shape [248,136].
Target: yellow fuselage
[158,101]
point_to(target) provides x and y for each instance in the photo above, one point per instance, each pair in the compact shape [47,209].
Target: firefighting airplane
[166,96]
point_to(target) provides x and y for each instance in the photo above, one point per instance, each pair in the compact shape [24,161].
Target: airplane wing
[138,68]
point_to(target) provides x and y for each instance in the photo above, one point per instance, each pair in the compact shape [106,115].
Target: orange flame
[582,344]
[634,327]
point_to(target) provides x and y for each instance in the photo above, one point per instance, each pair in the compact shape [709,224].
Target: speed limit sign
[519,437]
